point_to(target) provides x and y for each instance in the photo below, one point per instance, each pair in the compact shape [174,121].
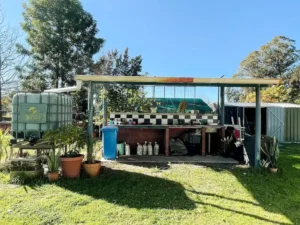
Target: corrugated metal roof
[263,105]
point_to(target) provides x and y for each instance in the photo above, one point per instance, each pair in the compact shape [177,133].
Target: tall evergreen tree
[62,38]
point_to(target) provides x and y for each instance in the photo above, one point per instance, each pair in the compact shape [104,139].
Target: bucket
[121,148]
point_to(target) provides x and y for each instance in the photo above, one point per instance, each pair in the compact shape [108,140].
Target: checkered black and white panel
[163,119]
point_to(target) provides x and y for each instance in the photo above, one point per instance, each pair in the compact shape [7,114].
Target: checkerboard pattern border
[164,119]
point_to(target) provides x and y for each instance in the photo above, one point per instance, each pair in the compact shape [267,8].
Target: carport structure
[181,81]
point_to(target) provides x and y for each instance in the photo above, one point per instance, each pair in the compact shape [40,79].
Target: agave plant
[271,153]
[53,162]
[226,141]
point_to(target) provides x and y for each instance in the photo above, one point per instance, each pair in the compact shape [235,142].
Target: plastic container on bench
[109,139]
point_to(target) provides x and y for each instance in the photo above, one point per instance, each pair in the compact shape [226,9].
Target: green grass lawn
[168,194]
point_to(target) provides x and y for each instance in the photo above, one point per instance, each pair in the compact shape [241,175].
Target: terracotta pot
[92,169]
[71,166]
[53,176]
[273,170]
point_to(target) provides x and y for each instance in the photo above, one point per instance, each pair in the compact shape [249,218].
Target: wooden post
[167,138]
[203,129]
[223,132]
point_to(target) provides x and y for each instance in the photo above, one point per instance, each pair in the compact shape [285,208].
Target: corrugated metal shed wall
[292,125]
[275,123]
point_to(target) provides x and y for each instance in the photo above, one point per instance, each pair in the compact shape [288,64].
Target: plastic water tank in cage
[35,113]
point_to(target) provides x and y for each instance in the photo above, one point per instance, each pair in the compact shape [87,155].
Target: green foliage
[32,77]
[293,80]
[272,60]
[276,93]
[276,59]
[80,102]
[62,38]
[53,162]
[115,64]
[270,154]
[71,138]
[122,97]
[4,144]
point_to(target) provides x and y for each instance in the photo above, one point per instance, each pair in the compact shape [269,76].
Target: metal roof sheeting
[263,105]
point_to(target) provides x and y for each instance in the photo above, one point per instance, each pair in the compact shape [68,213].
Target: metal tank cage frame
[64,120]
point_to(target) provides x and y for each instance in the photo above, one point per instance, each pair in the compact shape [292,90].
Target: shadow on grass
[159,165]
[134,190]
[240,212]
[220,196]
[277,193]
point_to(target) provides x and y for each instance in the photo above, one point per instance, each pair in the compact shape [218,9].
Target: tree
[32,78]
[294,85]
[122,97]
[276,93]
[275,59]
[9,59]
[62,38]
[115,64]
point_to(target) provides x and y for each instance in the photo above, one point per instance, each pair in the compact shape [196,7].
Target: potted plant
[270,155]
[71,139]
[53,164]
[91,165]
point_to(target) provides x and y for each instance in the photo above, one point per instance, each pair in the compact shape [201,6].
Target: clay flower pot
[273,170]
[71,166]
[53,176]
[92,169]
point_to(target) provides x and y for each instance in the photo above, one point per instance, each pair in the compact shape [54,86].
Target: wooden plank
[35,147]
[203,141]
[167,138]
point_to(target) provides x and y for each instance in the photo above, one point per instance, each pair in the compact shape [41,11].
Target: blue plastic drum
[109,139]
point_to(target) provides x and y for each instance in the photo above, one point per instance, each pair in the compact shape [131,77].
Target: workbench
[205,129]
[39,146]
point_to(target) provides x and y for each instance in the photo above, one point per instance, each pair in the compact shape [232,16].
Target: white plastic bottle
[139,150]
[145,148]
[127,149]
[150,149]
[156,149]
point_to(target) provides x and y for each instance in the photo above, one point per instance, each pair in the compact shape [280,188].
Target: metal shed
[281,120]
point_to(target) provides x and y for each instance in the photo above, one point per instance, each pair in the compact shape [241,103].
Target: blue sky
[190,38]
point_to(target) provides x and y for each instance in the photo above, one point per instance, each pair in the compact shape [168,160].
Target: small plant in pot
[53,164]
[71,139]
[91,165]
[270,154]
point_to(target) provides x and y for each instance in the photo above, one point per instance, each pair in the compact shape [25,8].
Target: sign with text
[32,113]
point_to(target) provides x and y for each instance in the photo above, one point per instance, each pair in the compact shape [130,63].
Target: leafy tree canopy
[276,59]
[62,38]
[122,97]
